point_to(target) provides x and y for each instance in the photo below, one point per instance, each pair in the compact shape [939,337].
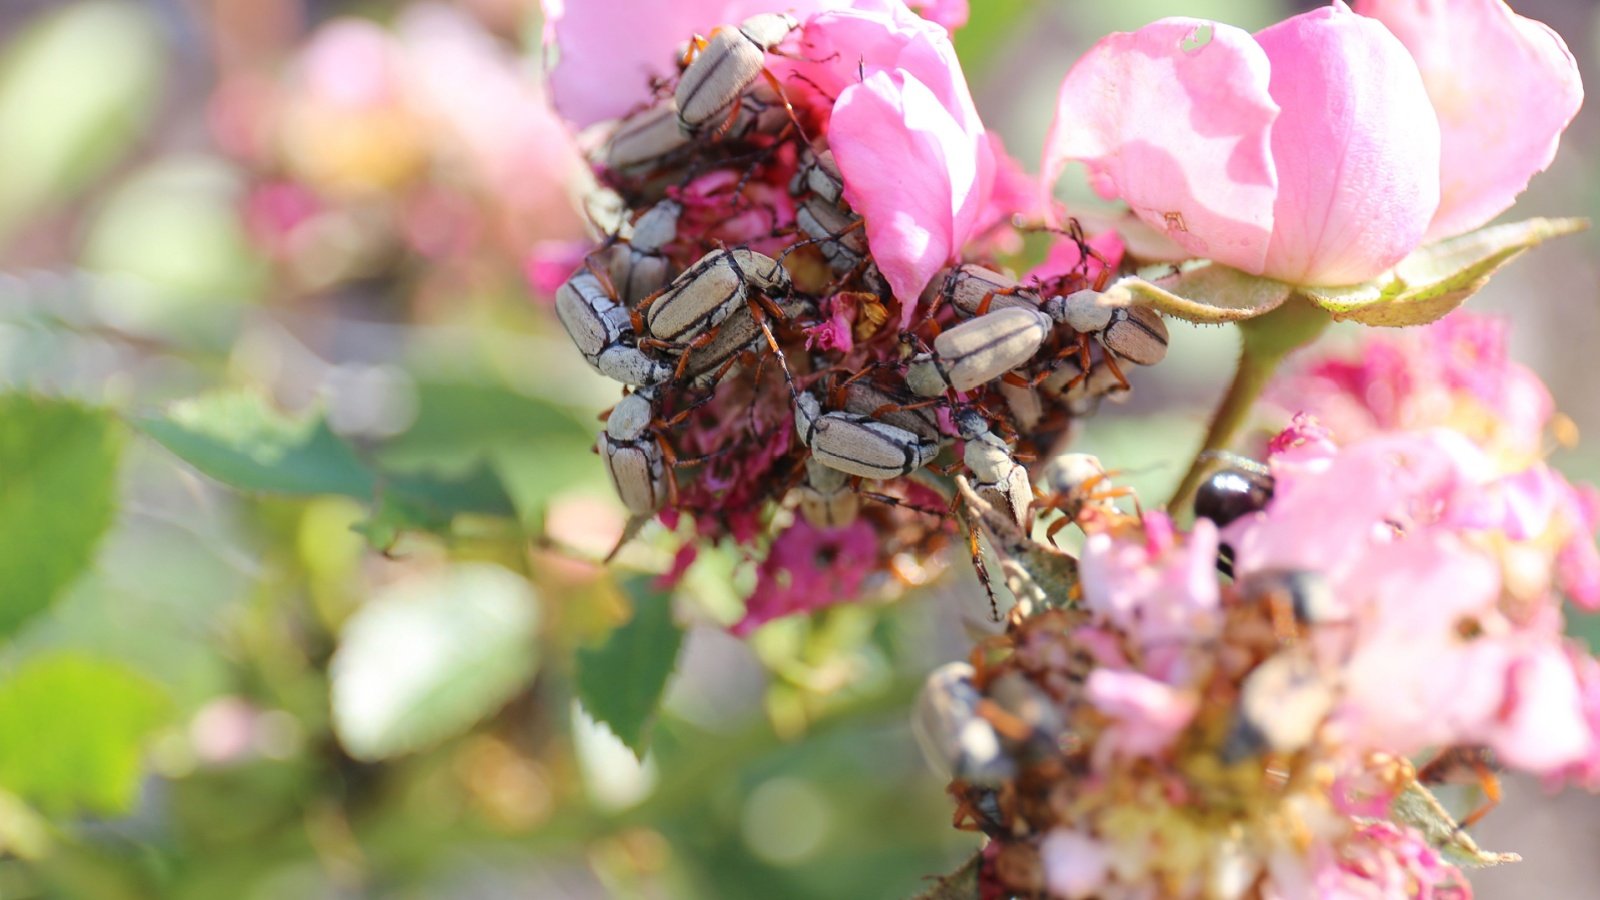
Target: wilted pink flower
[1075,864]
[1436,652]
[1457,374]
[1155,591]
[1146,714]
[1311,152]
[807,569]
[1381,860]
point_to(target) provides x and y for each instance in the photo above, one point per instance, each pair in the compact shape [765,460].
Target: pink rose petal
[1504,88]
[1356,148]
[1176,119]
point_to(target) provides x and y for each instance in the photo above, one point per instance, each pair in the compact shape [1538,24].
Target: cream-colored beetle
[860,445]
[1134,333]
[969,286]
[602,330]
[639,268]
[978,351]
[708,292]
[645,139]
[826,499]
[722,67]
[633,456]
[838,234]
[996,475]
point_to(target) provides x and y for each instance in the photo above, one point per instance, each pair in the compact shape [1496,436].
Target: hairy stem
[1263,343]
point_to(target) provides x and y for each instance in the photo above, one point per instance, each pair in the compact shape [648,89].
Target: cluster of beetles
[766,362]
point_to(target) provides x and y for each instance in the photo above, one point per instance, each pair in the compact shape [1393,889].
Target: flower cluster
[796,286]
[1247,735]
[1457,375]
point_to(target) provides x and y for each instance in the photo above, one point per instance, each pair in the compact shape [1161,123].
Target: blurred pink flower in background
[1458,374]
[1324,149]
[432,134]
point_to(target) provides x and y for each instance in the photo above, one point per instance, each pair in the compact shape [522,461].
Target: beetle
[1231,493]
[1134,333]
[974,290]
[955,739]
[1466,764]
[858,444]
[861,396]
[1079,487]
[826,499]
[603,331]
[707,293]
[645,139]
[838,234]
[818,173]
[634,456]
[996,475]
[639,268]
[721,68]
[706,366]
[1282,705]
[978,351]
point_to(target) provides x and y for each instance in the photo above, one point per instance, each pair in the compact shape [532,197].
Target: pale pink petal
[607,51]
[1356,148]
[1158,594]
[1148,713]
[1544,728]
[949,14]
[1176,119]
[906,164]
[1075,864]
[1504,88]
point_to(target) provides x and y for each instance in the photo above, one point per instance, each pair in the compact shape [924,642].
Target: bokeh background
[295,247]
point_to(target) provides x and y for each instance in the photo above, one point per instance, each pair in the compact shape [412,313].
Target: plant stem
[1263,343]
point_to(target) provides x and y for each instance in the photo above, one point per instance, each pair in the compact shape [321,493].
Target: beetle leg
[698,343]
[697,43]
[1111,362]
[670,470]
[601,272]
[1055,527]
[887,500]
[982,569]
[783,97]
[760,316]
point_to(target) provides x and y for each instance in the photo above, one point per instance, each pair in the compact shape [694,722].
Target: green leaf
[458,423]
[70,732]
[621,682]
[1431,282]
[58,472]
[430,656]
[1203,292]
[238,439]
